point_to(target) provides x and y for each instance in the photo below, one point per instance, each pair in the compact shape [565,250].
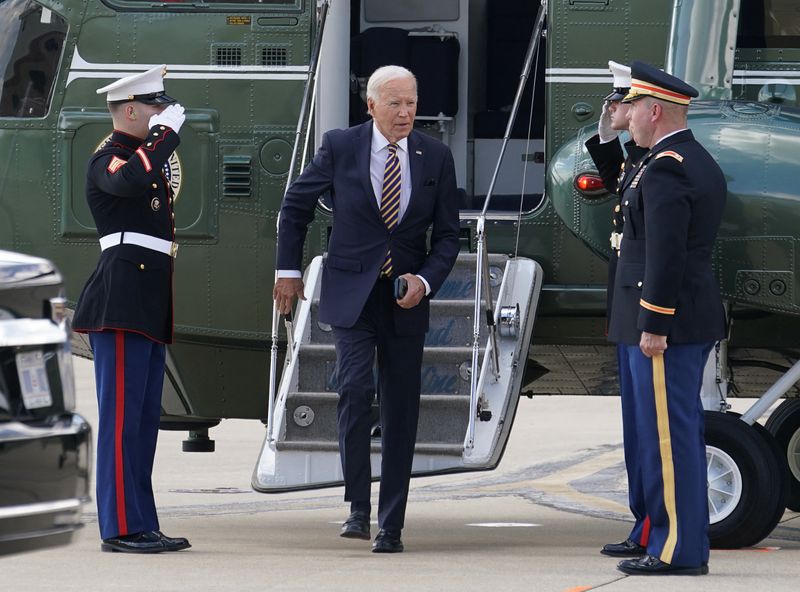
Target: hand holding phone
[400,288]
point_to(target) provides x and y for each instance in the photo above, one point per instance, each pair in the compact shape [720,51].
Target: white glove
[604,129]
[172,117]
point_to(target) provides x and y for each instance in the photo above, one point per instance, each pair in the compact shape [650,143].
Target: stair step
[450,324]
[312,416]
[327,446]
[445,370]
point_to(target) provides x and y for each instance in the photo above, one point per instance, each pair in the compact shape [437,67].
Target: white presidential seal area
[172,170]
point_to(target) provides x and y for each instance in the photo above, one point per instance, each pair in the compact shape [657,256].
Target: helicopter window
[31,45]
[769,23]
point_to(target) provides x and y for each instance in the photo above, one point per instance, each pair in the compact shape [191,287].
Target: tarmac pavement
[535,524]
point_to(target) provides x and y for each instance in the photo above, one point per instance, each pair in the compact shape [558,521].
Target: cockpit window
[769,23]
[31,45]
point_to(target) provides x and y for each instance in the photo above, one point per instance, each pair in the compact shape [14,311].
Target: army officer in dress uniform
[614,167]
[126,305]
[667,313]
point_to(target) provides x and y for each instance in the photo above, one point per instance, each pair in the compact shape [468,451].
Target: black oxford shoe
[141,542]
[653,566]
[626,548]
[387,541]
[172,543]
[356,526]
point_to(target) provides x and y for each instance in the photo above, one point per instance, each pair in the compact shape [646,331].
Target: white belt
[143,240]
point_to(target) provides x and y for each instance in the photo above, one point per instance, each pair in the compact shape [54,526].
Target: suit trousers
[129,371]
[399,364]
[671,449]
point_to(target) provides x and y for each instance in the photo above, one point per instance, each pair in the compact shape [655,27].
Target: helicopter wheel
[747,485]
[784,424]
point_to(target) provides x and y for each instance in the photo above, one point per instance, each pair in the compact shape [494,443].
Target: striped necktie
[390,201]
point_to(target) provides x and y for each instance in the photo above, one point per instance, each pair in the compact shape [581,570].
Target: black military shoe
[172,544]
[387,541]
[653,566]
[626,548]
[356,526]
[141,542]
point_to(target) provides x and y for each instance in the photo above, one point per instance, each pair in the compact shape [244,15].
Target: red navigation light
[590,184]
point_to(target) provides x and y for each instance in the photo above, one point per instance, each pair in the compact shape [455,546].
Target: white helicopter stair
[302,451]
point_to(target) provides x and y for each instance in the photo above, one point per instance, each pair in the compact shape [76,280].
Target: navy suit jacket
[359,238]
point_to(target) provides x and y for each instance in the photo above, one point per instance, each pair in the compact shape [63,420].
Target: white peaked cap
[145,87]
[622,74]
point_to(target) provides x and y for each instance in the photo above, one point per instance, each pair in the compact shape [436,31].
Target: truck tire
[784,425]
[747,485]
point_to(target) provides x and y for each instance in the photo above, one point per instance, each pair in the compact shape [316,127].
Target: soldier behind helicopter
[605,149]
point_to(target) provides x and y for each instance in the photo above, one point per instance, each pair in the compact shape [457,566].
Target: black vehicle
[45,448]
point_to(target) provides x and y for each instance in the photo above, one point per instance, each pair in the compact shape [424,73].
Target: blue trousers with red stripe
[671,449]
[129,371]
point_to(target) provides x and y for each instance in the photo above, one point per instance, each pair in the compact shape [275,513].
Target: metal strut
[306,110]
[482,259]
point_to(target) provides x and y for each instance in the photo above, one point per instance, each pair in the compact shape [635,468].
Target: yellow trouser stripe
[665,445]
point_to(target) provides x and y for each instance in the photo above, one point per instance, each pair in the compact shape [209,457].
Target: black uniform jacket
[614,168]
[127,191]
[664,283]
[611,163]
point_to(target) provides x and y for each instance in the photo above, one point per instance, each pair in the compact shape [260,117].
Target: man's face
[641,121]
[395,108]
[619,115]
[134,118]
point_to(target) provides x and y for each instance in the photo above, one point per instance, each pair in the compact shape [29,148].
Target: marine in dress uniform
[666,315]
[126,305]
[389,185]
[614,168]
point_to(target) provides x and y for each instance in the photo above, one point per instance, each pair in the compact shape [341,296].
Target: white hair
[383,75]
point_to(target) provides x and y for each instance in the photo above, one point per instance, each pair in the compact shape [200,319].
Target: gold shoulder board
[674,155]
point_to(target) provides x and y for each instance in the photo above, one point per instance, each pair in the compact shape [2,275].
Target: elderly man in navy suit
[388,185]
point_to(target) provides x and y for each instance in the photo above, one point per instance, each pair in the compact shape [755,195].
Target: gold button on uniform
[149,143]
[639,284]
[626,202]
[155,133]
[155,185]
[162,128]
[616,209]
[141,266]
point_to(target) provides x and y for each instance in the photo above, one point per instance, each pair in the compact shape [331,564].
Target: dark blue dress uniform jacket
[127,191]
[614,168]
[664,282]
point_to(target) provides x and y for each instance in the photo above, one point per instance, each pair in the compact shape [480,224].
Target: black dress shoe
[141,542]
[356,526]
[626,548]
[387,541]
[172,543]
[653,566]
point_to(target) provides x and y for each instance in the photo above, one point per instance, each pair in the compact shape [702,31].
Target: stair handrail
[306,109]
[482,259]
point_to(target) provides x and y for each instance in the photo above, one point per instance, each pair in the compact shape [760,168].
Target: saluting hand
[652,344]
[285,292]
[415,293]
[172,117]
[604,129]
